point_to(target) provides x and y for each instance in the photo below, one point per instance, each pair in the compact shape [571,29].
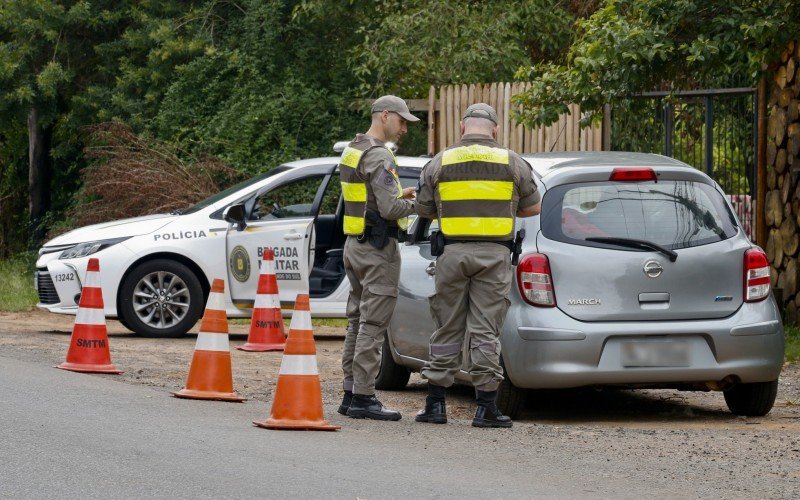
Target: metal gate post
[709,161]
[668,129]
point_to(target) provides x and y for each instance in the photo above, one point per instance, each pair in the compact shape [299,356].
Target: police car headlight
[88,248]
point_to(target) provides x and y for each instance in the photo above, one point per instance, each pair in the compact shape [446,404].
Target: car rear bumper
[745,347]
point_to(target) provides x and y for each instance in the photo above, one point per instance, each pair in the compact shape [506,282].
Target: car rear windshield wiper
[630,242]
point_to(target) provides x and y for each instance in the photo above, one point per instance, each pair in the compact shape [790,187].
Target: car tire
[510,399]
[176,276]
[122,322]
[391,376]
[752,400]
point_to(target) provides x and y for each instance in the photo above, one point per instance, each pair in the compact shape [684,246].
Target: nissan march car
[637,273]
[156,270]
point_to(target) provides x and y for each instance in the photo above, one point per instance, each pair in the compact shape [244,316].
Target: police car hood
[134,226]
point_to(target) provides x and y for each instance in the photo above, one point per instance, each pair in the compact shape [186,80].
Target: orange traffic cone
[210,374]
[266,325]
[88,348]
[298,395]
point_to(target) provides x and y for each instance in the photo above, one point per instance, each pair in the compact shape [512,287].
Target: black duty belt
[391,232]
[508,244]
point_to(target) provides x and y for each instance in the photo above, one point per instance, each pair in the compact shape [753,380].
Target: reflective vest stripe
[354,188]
[477,226]
[351,157]
[353,224]
[354,191]
[476,190]
[475,152]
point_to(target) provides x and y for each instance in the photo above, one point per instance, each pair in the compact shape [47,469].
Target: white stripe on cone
[216,301]
[92,279]
[301,320]
[90,316]
[267,301]
[267,266]
[212,342]
[299,365]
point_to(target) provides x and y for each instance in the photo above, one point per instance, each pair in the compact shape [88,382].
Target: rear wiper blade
[630,242]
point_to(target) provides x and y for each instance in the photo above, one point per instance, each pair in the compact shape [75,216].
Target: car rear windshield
[672,214]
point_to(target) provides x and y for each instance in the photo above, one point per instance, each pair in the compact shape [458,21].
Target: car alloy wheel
[161,299]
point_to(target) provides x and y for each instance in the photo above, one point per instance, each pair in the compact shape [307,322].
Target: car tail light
[633,174]
[756,275]
[535,280]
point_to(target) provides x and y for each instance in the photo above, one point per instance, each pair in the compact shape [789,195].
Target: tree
[411,45]
[46,57]
[630,46]
[67,64]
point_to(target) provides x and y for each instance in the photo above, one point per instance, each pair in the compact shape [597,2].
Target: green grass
[334,322]
[16,283]
[792,344]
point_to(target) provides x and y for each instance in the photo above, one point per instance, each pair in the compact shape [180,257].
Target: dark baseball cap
[481,110]
[395,105]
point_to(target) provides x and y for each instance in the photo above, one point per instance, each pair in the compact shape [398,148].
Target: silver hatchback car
[637,273]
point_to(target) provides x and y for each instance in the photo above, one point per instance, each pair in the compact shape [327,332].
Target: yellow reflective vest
[476,191]
[354,186]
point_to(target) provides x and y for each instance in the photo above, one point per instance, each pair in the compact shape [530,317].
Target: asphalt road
[69,435]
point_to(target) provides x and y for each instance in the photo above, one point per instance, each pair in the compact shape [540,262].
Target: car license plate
[655,354]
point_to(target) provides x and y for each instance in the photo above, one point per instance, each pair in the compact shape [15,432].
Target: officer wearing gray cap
[475,189]
[375,217]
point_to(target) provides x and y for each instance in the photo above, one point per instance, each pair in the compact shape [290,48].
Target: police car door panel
[280,218]
[289,240]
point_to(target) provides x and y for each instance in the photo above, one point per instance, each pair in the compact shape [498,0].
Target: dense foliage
[630,46]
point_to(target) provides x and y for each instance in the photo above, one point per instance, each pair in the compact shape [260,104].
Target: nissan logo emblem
[653,269]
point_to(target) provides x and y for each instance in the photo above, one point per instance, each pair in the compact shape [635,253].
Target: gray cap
[481,110]
[395,105]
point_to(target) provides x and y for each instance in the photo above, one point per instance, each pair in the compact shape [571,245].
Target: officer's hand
[409,193]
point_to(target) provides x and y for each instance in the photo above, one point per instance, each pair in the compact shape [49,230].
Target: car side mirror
[234,214]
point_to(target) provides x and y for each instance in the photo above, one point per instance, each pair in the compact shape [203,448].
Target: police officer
[375,213]
[475,188]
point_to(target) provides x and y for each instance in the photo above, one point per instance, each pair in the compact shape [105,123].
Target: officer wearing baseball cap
[375,217]
[475,189]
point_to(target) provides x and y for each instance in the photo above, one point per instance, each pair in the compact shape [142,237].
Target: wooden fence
[446,106]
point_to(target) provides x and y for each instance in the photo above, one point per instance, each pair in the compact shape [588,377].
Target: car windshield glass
[672,214]
[223,194]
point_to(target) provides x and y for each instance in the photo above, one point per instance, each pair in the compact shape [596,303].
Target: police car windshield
[222,194]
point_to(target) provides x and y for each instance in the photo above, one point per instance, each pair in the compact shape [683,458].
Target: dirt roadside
[676,434]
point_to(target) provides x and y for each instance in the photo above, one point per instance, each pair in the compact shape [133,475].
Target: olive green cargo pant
[373,276]
[472,285]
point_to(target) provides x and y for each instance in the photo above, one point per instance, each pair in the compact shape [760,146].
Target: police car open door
[281,219]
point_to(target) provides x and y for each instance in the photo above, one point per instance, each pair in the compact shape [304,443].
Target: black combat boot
[363,406]
[346,400]
[488,415]
[435,411]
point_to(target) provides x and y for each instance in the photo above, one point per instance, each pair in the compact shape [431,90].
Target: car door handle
[431,269]
[292,236]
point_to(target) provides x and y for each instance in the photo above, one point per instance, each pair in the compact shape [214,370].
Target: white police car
[156,270]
